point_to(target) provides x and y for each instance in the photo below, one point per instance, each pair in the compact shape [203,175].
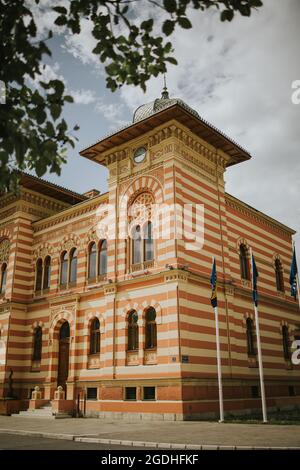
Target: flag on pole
[213,281]
[254,282]
[293,275]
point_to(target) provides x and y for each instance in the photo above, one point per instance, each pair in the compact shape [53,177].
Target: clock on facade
[140,155]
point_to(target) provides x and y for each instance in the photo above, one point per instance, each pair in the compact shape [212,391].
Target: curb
[156,445]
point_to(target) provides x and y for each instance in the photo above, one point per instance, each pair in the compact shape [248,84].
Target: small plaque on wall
[184,359]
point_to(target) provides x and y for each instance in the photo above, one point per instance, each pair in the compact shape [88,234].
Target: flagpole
[297,277]
[260,363]
[221,420]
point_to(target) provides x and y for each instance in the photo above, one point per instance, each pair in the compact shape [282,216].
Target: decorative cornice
[31,197]
[256,215]
[175,275]
[70,213]
[110,289]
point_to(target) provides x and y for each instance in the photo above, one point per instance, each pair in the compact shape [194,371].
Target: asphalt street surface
[16,442]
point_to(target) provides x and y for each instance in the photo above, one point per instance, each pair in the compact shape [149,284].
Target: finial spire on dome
[165,93]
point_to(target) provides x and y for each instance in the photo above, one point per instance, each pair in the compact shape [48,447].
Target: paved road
[180,432]
[11,442]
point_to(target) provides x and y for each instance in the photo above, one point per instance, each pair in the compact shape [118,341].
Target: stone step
[44,412]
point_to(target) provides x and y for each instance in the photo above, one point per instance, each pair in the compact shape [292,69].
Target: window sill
[68,286]
[41,293]
[150,357]
[136,267]
[93,361]
[245,282]
[35,365]
[132,358]
[95,281]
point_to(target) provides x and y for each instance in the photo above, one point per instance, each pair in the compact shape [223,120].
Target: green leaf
[40,116]
[147,25]
[227,15]
[61,10]
[61,20]
[55,110]
[170,6]
[68,99]
[49,131]
[256,3]
[184,22]
[112,69]
[168,27]
[172,60]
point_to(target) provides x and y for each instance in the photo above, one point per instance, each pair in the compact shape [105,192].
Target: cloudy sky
[237,75]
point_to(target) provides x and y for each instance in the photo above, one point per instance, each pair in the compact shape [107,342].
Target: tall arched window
[3,278]
[92,260]
[245,272]
[150,329]
[279,276]
[64,268]
[136,245]
[39,274]
[47,272]
[133,331]
[250,337]
[73,265]
[102,257]
[286,343]
[95,336]
[148,242]
[37,344]
[64,331]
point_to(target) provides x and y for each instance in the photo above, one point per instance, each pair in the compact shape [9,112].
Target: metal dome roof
[148,109]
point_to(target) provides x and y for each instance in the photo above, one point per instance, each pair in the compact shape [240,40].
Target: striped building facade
[124,326]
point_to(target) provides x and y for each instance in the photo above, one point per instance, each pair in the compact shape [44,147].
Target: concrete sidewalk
[157,433]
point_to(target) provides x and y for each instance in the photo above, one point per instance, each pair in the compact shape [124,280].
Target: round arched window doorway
[63,355]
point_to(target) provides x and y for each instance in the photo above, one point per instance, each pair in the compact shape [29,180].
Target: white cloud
[111,112]
[81,45]
[83,96]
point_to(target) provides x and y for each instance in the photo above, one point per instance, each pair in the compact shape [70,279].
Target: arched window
[286,343]
[136,245]
[73,265]
[64,268]
[148,242]
[39,274]
[3,278]
[279,276]
[47,272]
[102,257]
[133,331]
[150,329]
[37,344]
[64,331]
[245,273]
[95,336]
[92,260]
[250,337]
